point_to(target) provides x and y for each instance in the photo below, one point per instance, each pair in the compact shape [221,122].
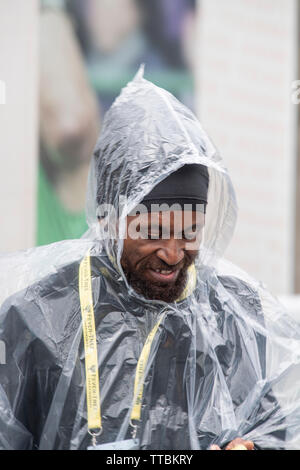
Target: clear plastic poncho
[224,361]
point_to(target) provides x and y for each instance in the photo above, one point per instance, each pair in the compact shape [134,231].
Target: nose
[171,252]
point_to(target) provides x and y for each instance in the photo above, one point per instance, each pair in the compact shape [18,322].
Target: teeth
[162,271]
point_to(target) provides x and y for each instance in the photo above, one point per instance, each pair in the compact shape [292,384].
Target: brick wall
[246,64]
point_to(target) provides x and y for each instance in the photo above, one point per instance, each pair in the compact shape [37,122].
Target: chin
[163,292]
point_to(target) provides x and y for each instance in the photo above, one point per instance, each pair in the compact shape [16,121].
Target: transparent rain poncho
[223,361]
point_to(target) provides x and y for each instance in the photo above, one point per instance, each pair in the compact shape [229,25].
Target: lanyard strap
[140,372]
[91,359]
[90,346]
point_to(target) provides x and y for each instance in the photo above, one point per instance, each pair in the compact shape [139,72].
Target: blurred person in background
[69,125]
[89,50]
[116,36]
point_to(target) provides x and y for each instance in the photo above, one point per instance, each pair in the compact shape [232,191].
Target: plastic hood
[148,134]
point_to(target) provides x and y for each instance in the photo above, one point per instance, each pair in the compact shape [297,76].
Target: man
[141,341]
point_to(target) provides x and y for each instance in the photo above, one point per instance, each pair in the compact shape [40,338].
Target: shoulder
[48,310]
[39,314]
[235,298]
[43,272]
[244,290]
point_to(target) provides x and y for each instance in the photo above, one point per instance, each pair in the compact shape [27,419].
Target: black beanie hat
[188,185]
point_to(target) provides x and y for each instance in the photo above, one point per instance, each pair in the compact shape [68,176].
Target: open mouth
[163,275]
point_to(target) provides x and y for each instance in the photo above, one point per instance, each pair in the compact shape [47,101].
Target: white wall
[246,64]
[18,122]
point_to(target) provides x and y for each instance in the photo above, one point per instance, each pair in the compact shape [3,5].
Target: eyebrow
[193,227]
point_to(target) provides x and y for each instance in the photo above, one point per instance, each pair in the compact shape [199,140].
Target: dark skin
[236,444]
[171,252]
[142,258]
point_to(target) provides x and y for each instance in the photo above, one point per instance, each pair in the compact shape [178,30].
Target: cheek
[147,255]
[142,251]
[135,251]
[191,255]
[193,246]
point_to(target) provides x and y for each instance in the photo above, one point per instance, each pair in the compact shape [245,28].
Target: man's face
[158,249]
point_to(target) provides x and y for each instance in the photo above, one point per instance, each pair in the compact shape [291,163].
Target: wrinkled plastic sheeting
[20,269]
[225,361]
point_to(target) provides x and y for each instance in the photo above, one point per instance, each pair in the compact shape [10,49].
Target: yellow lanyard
[91,359]
[90,347]
[140,372]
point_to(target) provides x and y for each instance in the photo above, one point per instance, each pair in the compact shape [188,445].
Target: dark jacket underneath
[194,371]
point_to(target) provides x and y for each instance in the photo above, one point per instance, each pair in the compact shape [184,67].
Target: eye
[144,233]
[155,233]
[190,235]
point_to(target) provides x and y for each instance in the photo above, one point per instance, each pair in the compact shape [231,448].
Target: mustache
[165,266]
[160,264]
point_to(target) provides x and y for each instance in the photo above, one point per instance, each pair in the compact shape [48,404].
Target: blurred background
[234,63]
